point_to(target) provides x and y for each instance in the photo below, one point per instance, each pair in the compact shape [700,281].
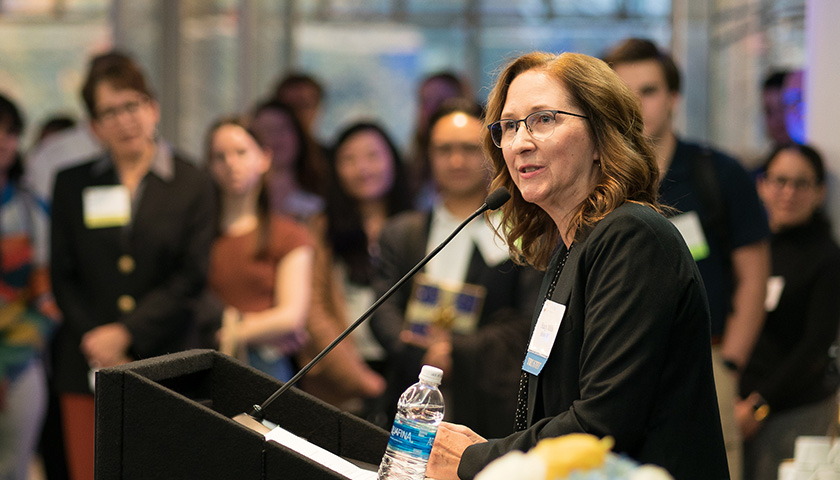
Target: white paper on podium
[318,454]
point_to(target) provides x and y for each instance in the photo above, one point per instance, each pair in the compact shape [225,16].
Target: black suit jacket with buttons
[165,254]
[632,357]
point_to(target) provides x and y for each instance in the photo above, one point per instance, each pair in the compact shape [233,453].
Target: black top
[790,365]
[632,358]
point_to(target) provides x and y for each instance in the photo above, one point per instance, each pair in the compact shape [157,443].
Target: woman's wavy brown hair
[629,172]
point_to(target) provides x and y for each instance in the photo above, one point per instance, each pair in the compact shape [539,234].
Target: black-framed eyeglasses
[111,114]
[797,184]
[539,124]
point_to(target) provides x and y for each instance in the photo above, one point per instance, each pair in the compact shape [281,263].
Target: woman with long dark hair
[368,187]
[261,262]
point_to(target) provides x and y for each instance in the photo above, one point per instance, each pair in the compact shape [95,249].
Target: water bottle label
[412,438]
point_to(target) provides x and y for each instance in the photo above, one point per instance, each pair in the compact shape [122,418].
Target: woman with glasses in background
[789,385]
[622,347]
[131,236]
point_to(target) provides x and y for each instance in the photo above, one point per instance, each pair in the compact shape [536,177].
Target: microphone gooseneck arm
[495,200]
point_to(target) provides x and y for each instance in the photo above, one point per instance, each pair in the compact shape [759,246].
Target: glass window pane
[43,63]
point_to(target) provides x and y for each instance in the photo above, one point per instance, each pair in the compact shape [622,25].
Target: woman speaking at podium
[620,344]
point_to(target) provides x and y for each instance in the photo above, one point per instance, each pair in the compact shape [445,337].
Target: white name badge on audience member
[692,232]
[545,332]
[106,206]
[775,286]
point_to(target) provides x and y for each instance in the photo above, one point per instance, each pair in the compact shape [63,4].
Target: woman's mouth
[526,169]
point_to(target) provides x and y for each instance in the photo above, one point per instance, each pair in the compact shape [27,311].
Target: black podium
[171,417]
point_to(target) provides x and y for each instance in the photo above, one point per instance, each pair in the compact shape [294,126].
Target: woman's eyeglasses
[539,124]
[797,184]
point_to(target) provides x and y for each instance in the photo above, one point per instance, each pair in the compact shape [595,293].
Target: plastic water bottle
[419,412]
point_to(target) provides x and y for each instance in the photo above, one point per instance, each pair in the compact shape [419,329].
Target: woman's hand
[228,335]
[106,345]
[450,442]
[290,343]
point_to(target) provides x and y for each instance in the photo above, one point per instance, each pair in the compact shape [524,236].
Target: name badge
[692,232]
[545,332]
[775,286]
[106,206]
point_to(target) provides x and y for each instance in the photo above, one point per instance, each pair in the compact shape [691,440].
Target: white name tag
[545,333]
[106,206]
[692,232]
[775,286]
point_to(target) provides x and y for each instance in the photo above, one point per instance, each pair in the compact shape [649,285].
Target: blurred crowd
[115,247]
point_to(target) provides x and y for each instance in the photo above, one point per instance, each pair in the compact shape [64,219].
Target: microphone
[496,199]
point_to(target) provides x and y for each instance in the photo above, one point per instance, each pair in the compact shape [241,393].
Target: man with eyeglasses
[478,337]
[720,217]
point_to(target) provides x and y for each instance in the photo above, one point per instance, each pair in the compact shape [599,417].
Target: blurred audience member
[433,90]
[297,178]
[131,234]
[54,125]
[478,339]
[369,188]
[27,309]
[774,109]
[720,218]
[304,95]
[261,262]
[793,95]
[789,385]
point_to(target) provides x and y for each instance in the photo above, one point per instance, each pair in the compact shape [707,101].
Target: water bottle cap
[430,374]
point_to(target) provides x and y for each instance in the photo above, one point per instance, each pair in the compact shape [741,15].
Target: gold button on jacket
[126,303]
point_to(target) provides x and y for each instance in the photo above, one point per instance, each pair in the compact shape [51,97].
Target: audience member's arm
[343,367]
[292,299]
[750,269]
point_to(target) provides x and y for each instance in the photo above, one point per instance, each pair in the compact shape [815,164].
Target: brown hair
[117,69]
[627,164]
[262,247]
[634,50]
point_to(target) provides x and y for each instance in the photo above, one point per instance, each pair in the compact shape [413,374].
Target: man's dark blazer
[486,364]
[146,275]
[632,358]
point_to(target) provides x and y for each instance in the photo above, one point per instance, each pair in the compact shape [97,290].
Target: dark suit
[146,275]
[486,364]
[632,356]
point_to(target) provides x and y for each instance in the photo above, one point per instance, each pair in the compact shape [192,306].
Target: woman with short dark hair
[789,385]
[131,235]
